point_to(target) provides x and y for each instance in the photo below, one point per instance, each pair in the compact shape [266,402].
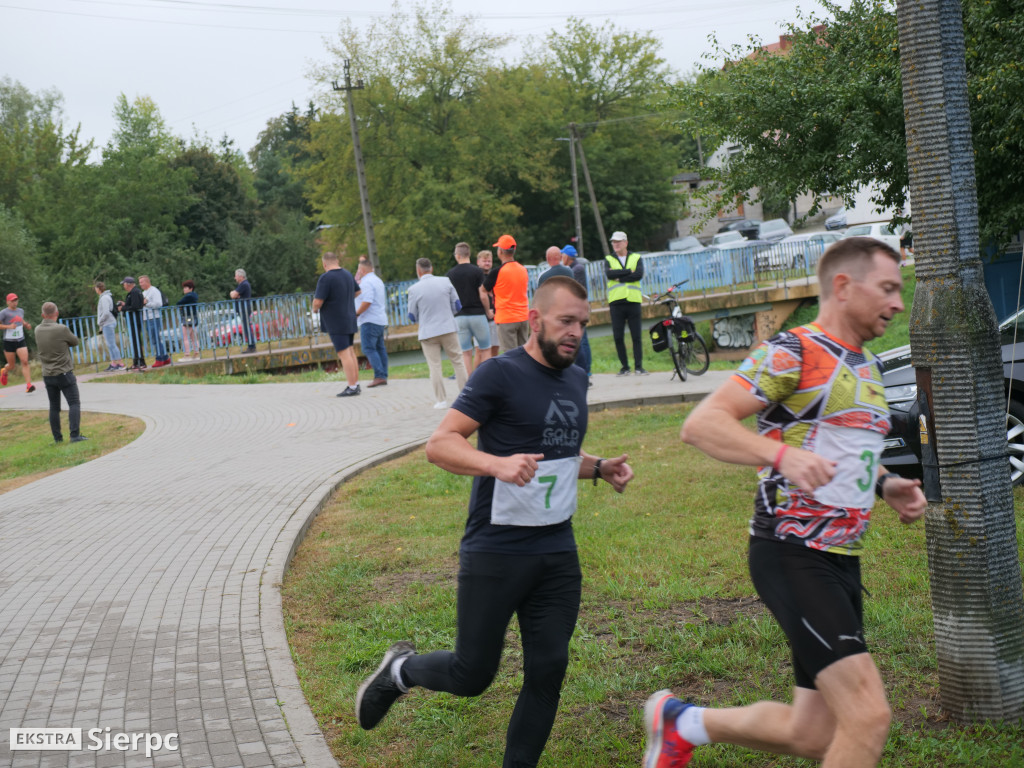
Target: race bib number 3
[856,453]
[549,498]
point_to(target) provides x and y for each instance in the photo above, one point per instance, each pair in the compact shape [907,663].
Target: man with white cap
[624,271]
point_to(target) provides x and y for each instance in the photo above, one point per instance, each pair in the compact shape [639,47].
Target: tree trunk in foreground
[977,598]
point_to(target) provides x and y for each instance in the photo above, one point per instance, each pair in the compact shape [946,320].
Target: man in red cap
[12,323]
[509,284]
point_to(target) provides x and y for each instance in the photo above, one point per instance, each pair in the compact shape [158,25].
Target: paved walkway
[140,592]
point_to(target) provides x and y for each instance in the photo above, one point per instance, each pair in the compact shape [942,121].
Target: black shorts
[816,598]
[341,341]
[13,346]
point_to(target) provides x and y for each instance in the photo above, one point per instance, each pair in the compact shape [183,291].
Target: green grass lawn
[667,602]
[29,452]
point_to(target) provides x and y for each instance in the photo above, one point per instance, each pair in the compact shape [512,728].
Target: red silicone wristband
[778,456]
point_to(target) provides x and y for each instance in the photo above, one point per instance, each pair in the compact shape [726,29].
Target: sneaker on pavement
[665,747]
[440,405]
[110,368]
[30,388]
[349,391]
[3,377]
[642,372]
[379,691]
[624,372]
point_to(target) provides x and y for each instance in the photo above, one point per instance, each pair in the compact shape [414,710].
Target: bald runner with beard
[518,553]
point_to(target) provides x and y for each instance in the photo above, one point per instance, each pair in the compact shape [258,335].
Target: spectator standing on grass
[187,306]
[372,319]
[54,341]
[822,417]
[107,322]
[12,322]
[153,299]
[510,284]
[132,306]
[485,260]
[473,319]
[334,298]
[579,273]
[553,257]
[242,294]
[624,271]
[433,304]
[518,555]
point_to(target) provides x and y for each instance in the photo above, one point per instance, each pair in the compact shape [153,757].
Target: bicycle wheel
[696,360]
[679,350]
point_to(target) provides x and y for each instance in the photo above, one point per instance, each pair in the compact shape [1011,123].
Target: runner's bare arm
[714,427]
[614,471]
[450,449]
[906,497]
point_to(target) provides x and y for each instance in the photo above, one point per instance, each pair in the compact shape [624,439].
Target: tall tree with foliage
[827,116]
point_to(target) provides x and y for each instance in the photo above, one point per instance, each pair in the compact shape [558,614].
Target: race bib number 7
[856,453]
[549,498]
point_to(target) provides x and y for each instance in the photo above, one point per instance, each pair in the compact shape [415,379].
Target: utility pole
[575,194]
[590,186]
[364,196]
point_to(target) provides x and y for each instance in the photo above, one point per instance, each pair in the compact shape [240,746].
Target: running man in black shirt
[518,553]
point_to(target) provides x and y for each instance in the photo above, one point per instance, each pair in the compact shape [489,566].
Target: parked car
[796,251]
[773,230]
[746,227]
[837,220]
[727,237]
[736,245]
[687,244]
[223,326]
[902,453]
[880,230]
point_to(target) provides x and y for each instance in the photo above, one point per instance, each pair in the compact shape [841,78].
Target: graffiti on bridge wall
[734,332]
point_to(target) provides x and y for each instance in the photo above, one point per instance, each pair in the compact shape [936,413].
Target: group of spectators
[141,307]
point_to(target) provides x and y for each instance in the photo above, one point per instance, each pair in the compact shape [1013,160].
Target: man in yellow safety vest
[624,271]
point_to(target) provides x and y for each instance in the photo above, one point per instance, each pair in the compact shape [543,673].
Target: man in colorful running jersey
[518,554]
[821,419]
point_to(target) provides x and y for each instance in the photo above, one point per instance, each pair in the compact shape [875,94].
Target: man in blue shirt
[372,319]
[242,295]
[334,299]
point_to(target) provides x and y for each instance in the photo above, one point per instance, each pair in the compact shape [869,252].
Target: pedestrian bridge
[744,302]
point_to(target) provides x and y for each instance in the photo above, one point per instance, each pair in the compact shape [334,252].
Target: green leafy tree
[823,117]
[21,268]
[827,117]
[221,197]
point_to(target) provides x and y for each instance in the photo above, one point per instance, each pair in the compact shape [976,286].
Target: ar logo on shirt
[560,424]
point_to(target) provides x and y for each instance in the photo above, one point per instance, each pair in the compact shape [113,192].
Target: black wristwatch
[880,484]
[597,470]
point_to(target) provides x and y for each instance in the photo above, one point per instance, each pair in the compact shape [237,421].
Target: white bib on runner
[549,497]
[856,453]
[17,333]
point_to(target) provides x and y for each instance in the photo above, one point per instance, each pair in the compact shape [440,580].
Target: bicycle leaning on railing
[678,334]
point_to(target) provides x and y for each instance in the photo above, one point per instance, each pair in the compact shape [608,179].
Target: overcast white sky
[227,66]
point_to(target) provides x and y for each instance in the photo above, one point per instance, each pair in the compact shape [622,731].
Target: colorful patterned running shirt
[825,396]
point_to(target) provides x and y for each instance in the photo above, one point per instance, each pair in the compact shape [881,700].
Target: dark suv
[902,452]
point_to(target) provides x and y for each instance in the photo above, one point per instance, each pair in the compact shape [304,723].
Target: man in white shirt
[372,318]
[433,303]
[154,300]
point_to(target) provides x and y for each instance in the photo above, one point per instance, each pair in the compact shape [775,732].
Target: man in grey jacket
[107,323]
[433,303]
[54,341]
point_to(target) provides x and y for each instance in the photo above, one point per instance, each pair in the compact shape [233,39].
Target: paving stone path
[140,592]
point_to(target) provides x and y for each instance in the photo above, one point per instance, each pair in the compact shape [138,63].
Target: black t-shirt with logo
[467,279]
[522,407]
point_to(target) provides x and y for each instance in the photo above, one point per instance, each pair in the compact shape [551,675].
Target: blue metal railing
[217,326]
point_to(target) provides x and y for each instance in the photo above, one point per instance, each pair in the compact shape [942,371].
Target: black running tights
[544,592]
